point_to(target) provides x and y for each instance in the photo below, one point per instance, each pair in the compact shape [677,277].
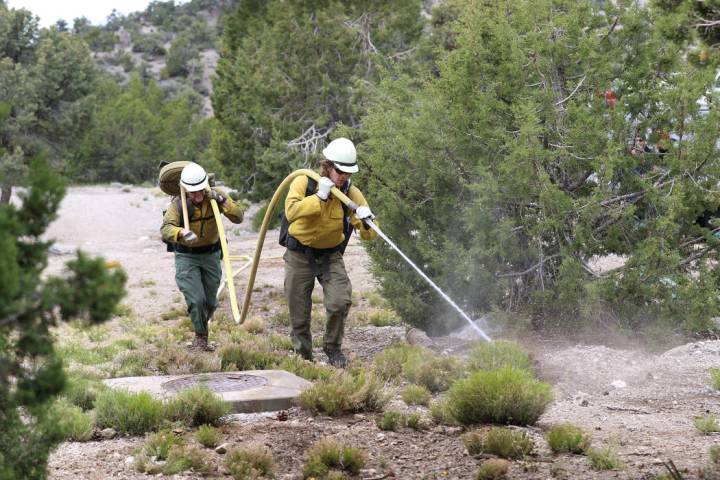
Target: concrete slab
[246,392]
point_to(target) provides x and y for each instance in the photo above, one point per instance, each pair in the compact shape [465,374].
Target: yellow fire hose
[266,221]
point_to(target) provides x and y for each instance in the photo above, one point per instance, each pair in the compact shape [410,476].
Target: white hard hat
[341,152]
[194,178]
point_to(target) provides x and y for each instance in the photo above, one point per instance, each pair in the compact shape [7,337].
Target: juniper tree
[31,374]
[290,72]
[510,169]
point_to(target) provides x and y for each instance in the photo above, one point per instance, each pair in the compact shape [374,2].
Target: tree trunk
[5,194]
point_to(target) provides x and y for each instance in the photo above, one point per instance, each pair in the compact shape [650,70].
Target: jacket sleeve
[233,212]
[297,205]
[366,233]
[172,220]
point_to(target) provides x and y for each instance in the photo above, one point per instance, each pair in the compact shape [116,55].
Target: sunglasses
[340,172]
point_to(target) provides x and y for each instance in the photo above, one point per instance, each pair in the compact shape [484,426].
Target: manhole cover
[219,382]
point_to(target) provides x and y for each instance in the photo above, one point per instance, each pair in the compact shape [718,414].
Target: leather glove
[216,196]
[324,187]
[364,213]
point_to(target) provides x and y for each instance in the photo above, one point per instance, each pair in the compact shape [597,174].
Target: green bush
[247,355]
[434,372]
[82,391]
[208,436]
[181,459]
[327,455]
[196,406]
[507,443]
[160,443]
[715,378]
[250,463]
[388,364]
[415,421]
[498,354]
[504,396]
[604,458]
[306,369]
[73,423]
[134,413]
[416,395]
[493,469]
[257,219]
[357,391]
[706,423]
[391,420]
[567,438]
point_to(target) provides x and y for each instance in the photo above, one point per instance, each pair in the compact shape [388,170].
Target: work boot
[305,355]
[201,342]
[335,357]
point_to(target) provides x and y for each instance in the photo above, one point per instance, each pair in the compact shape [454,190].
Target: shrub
[498,354]
[249,463]
[415,421]
[391,420]
[208,436]
[327,455]
[507,443]
[440,413]
[306,369]
[715,378]
[567,438]
[388,364]
[434,372]
[714,453]
[383,318]
[72,422]
[493,469]
[358,391]
[196,406]
[254,324]
[82,391]
[706,423]
[171,360]
[473,442]
[257,219]
[604,458]
[504,396]
[181,459]
[159,444]
[134,413]
[416,395]
[247,355]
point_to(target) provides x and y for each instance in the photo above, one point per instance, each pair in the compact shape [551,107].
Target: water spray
[352,206]
[372,225]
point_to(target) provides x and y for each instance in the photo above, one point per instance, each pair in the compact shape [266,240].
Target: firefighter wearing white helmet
[319,229]
[197,251]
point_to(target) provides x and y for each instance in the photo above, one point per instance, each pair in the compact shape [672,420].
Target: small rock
[606,392]
[108,433]
[178,431]
[584,403]
[618,384]
[222,449]
[359,416]
[380,437]
[129,459]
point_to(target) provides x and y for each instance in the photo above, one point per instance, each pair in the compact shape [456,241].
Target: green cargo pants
[198,277]
[337,292]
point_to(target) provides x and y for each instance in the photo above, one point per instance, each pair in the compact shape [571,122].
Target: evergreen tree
[510,169]
[31,373]
[291,72]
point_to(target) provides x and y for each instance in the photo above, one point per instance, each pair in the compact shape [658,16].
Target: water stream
[427,279]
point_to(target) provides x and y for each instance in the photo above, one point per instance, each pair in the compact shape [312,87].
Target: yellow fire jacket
[319,224]
[202,221]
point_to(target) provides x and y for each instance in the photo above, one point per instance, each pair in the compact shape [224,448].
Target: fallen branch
[525,272]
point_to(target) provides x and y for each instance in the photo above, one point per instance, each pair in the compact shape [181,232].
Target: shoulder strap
[312,184]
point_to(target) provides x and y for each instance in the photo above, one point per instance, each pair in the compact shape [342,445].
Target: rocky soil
[642,403]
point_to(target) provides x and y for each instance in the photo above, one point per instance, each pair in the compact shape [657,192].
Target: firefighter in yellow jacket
[318,232]
[197,251]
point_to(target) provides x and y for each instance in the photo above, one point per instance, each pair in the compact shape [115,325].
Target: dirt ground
[639,402]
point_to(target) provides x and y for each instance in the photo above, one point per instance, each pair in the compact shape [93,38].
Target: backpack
[310,190]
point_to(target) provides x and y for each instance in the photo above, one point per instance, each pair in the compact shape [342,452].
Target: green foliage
[160,443]
[418,365]
[181,53]
[489,159]
[291,73]
[415,421]
[250,463]
[504,396]
[208,436]
[74,424]
[133,413]
[567,438]
[498,354]
[327,455]
[605,458]
[82,391]
[493,469]
[197,406]
[259,216]
[30,304]
[416,395]
[344,392]
[503,442]
[181,459]
[715,378]
[391,420]
[706,423]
